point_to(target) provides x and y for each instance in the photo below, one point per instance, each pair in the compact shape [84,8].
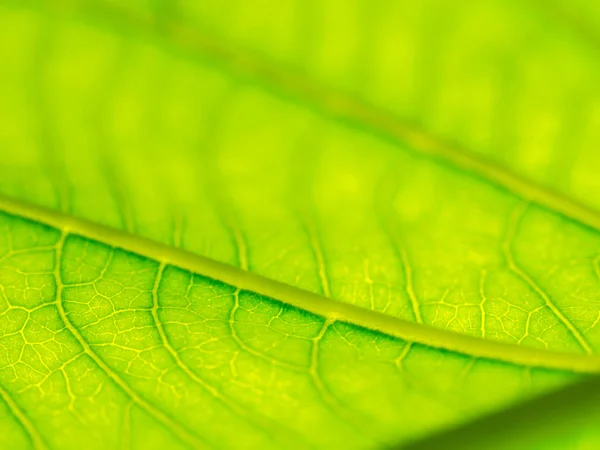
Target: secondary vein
[178,430]
[526,278]
[317,304]
[32,433]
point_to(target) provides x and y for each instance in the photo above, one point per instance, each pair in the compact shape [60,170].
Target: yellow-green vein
[317,304]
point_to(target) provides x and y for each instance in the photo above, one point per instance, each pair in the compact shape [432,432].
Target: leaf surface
[214,222]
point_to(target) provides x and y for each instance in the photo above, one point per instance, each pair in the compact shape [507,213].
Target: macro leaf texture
[298,224]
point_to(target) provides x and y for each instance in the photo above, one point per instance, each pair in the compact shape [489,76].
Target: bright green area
[107,348]
[213,126]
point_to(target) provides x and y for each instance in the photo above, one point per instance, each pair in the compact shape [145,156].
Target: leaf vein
[305,300]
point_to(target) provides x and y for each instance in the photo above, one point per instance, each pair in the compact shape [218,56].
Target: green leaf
[293,225]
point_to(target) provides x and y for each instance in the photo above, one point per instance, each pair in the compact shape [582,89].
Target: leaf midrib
[285,82]
[378,122]
[330,309]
